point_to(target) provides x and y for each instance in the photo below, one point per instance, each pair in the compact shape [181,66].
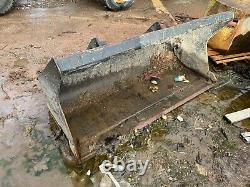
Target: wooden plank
[238,116]
[212,53]
[232,59]
[223,57]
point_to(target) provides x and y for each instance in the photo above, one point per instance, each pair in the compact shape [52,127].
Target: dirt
[202,150]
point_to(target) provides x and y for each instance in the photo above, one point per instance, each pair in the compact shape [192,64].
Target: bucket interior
[110,105]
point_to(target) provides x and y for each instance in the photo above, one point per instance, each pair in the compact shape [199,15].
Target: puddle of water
[78,174]
[158,132]
[43,159]
[228,93]
[240,103]
[207,98]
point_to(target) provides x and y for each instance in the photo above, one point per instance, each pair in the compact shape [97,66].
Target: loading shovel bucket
[104,92]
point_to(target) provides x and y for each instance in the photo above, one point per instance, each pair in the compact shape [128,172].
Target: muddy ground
[202,150]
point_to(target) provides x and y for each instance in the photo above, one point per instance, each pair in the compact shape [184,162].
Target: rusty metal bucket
[104,92]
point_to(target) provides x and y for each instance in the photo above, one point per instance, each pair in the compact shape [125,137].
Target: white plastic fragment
[154,82]
[246,136]
[180,119]
[88,173]
[181,78]
[164,117]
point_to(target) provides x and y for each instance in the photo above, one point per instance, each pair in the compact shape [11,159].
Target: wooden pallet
[224,59]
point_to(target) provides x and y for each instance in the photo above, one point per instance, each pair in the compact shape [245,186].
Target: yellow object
[234,37]
[223,39]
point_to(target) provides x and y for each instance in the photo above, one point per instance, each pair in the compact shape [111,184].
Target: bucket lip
[91,57]
[88,58]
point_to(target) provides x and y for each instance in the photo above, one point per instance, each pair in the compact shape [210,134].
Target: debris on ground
[151,75]
[88,173]
[153,88]
[181,78]
[73,174]
[245,89]
[180,119]
[155,78]
[164,117]
[238,116]
[154,82]
[246,137]
[28,130]
[223,132]
[180,147]
[201,169]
